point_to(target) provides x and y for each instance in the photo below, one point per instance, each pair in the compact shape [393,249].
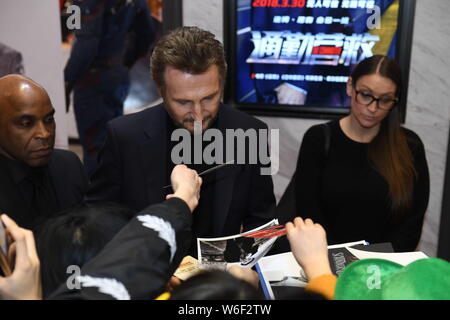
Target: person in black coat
[363,177]
[112,36]
[189,67]
[135,264]
[36,181]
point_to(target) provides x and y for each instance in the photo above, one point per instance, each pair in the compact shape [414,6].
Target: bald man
[36,180]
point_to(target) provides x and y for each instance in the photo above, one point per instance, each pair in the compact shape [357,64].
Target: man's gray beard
[210,119]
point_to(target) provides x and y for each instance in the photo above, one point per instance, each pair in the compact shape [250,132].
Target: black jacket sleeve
[88,36]
[106,181]
[262,199]
[302,195]
[143,34]
[139,260]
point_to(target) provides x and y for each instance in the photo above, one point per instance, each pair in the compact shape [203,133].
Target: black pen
[208,170]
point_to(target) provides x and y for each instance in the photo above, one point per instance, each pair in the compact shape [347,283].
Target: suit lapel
[225,179]
[154,156]
[223,193]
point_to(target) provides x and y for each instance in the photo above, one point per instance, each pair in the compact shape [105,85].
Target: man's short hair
[188,49]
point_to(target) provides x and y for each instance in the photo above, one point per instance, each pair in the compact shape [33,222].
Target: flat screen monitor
[294,57]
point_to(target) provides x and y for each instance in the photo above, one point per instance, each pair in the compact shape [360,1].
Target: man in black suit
[36,181]
[188,66]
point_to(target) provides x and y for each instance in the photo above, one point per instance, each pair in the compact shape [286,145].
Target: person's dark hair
[215,285]
[76,236]
[189,49]
[388,152]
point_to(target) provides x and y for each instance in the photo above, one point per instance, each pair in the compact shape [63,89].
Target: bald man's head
[27,125]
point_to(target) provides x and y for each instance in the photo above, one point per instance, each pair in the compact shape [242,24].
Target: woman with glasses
[363,177]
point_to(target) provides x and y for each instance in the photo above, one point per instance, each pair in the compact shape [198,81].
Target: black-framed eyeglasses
[383,103]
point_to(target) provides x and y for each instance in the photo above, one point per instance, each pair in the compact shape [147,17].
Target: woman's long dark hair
[388,152]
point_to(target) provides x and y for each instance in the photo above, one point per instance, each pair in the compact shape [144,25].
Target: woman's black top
[336,186]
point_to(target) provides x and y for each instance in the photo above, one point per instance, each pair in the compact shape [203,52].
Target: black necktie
[43,200]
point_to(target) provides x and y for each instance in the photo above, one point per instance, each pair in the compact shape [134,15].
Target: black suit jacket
[67,176]
[132,170]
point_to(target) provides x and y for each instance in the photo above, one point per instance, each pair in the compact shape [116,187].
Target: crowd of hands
[307,240]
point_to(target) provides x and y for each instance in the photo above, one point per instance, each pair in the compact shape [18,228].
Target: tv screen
[295,56]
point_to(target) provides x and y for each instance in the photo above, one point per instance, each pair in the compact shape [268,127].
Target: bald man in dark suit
[36,180]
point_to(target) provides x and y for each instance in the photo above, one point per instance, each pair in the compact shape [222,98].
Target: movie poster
[301,52]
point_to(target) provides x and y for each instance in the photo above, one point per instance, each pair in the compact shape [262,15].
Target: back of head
[75,237]
[189,49]
[215,285]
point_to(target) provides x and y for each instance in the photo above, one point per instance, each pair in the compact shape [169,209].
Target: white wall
[33,28]
[428,110]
